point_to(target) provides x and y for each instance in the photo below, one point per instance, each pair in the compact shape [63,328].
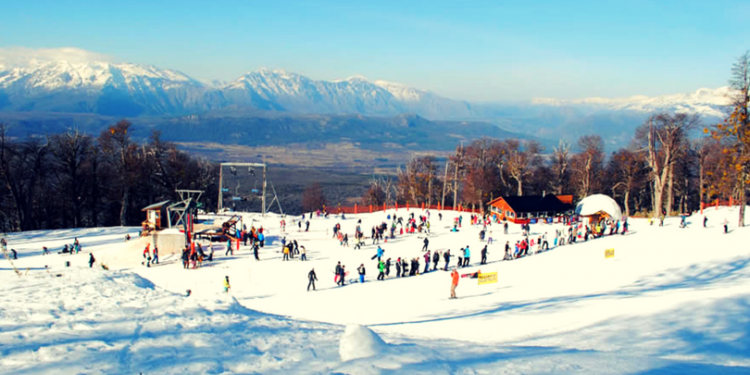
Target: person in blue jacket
[467,256]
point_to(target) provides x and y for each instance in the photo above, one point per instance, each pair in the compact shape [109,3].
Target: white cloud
[15,56]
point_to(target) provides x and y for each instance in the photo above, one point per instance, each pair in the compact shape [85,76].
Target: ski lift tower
[250,170]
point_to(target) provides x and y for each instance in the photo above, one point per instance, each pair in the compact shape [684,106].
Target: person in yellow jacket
[226,284]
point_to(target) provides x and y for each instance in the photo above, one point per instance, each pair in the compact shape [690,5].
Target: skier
[404,267]
[286,254]
[398,267]
[726,228]
[361,271]
[342,274]
[484,255]
[467,256]
[337,272]
[427,258]
[255,251]
[435,259]
[156,256]
[381,268]
[303,257]
[226,284]
[379,254]
[447,257]
[454,283]
[313,278]
[388,267]
[426,242]
[507,251]
[307,224]
[185,258]
[229,248]
[147,255]
[91,260]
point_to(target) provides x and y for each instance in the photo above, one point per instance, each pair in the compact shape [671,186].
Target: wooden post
[407,206]
[355,208]
[370,208]
[396,206]
[422,205]
[384,207]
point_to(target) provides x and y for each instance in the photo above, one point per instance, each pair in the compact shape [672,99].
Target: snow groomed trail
[671,300]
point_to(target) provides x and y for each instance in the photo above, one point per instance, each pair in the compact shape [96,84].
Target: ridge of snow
[704,101]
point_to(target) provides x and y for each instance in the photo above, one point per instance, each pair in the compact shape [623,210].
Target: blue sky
[475,50]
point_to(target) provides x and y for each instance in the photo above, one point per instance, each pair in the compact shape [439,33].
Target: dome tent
[599,205]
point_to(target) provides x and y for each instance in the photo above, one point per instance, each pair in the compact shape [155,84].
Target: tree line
[77,180]
[663,170]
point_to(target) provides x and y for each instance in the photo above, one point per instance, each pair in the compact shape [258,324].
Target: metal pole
[221,181]
[264,190]
[445,182]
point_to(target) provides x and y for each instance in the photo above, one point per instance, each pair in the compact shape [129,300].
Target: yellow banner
[609,253]
[487,278]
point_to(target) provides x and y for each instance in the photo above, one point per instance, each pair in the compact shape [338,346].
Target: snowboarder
[454,283]
[361,270]
[226,284]
[91,260]
[379,254]
[313,278]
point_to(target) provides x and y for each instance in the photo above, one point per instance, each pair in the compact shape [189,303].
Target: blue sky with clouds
[476,50]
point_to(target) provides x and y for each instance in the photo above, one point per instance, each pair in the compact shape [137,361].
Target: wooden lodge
[531,208]
[156,217]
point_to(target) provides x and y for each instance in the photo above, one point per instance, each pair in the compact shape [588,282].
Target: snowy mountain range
[47,92]
[126,89]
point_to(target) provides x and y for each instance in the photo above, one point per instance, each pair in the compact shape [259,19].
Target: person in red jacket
[454,283]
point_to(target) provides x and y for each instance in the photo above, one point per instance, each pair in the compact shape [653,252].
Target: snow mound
[360,342]
[599,203]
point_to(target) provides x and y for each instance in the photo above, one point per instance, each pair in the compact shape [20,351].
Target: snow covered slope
[671,301]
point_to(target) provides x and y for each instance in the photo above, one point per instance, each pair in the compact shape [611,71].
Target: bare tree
[661,136]
[560,160]
[520,160]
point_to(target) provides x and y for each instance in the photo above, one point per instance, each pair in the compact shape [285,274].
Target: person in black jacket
[186,258]
[426,243]
[361,271]
[313,278]
[342,274]
[435,259]
[447,257]
[91,260]
[398,267]
[484,255]
[404,267]
[388,267]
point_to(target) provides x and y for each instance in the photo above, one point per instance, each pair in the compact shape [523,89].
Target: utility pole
[445,183]
[221,182]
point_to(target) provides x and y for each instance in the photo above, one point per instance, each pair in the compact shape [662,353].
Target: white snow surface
[360,342]
[599,203]
[671,301]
